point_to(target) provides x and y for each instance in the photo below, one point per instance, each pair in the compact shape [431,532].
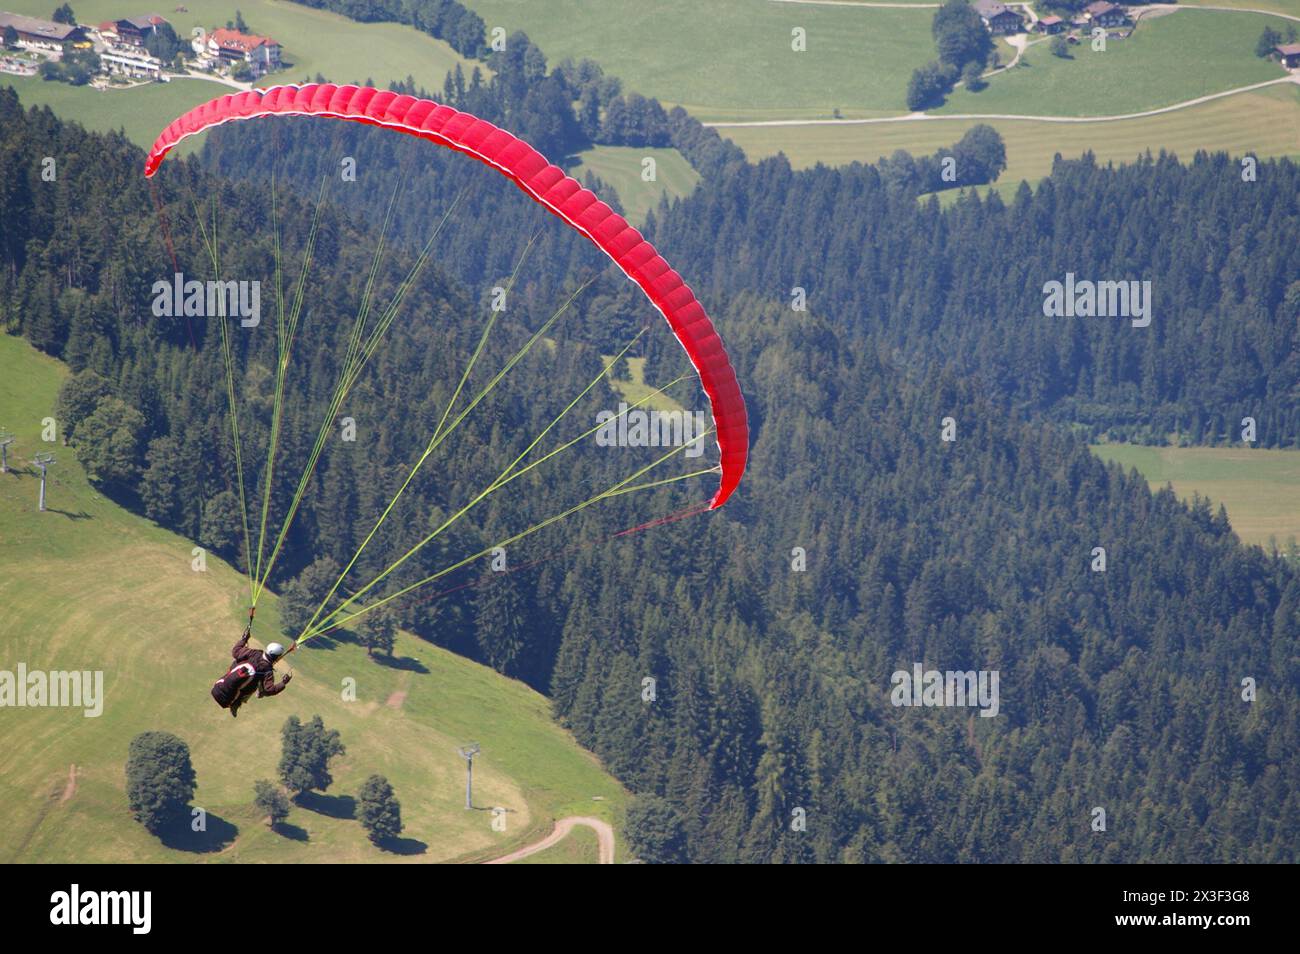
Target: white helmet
[274,651]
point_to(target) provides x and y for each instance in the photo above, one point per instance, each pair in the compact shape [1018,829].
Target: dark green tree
[654,831]
[300,597]
[378,810]
[271,801]
[110,443]
[1267,43]
[79,396]
[306,750]
[160,780]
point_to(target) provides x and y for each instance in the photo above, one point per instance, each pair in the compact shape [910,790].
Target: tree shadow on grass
[403,846]
[332,806]
[322,642]
[408,663]
[219,834]
[292,832]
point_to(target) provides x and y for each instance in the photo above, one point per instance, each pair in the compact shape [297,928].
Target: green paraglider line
[603,495]
[502,479]
[440,434]
[355,361]
[211,242]
[361,348]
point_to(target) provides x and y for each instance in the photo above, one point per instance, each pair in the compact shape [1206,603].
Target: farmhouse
[999,20]
[227,47]
[1051,25]
[1103,13]
[132,30]
[1288,54]
[41,34]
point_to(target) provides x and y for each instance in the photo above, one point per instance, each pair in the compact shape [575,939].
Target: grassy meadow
[732,59]
[1167,60]
[89,586]
[1259,488]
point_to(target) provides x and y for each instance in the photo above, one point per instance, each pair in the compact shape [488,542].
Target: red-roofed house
[1289,54]
[1051,24]
[230,47]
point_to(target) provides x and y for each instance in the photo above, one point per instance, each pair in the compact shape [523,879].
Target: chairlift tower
[6,439]
[43,461]
[468,752]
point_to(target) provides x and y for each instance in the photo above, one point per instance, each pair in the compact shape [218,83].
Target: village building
[227,47]
[1000,20]
[125,61]
[1050,25]
[1288,55]
[132,31]
[42,34]
[1105,14]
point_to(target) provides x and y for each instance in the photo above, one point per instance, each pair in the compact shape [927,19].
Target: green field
[1264,123]
[88,586]
[634,388]
[1260,488]
[620,166]
[313,41]
[731,59]
[1168,59]
[142,112]
[1289,7]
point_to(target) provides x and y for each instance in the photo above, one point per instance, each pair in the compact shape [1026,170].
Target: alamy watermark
[638,428]
[76,907]
[1084,298]
[933,688]
[179,298]
[75,689]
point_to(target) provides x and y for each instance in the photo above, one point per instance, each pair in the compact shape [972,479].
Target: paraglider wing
[544,182]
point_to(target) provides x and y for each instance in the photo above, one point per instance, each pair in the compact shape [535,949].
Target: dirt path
[1171,7]
[927,117]
[604,835]
[71,788]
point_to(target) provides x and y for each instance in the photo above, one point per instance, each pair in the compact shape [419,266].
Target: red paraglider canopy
[544,182]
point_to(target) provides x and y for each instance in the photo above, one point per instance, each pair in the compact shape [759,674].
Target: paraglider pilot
[252,671]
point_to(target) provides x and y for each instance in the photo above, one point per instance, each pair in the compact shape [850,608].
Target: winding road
[604,837]
[924,117]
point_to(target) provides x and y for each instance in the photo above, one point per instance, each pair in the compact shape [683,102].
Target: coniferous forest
[860,543]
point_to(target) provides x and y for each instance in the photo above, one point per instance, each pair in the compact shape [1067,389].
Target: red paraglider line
[546,184]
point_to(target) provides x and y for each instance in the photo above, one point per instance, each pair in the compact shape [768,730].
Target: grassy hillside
[314,42]
[1265,123]
[1260,488]
[620,166]
[731,59]
[141,112]
[1288,7]
[1167,60]
[89,586]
